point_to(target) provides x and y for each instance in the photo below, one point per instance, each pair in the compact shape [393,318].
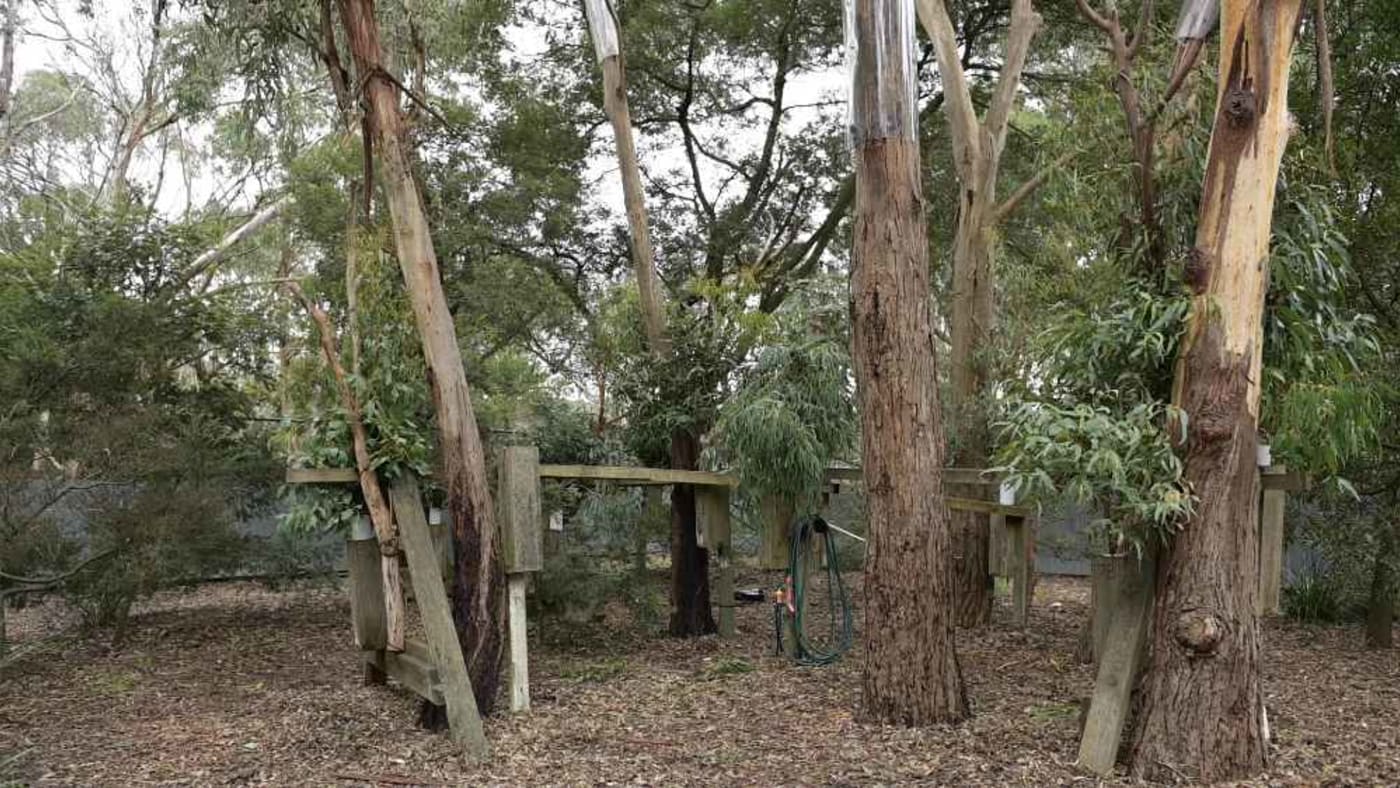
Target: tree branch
[1024,24]
[957,97]
[40,583]
[1028,188]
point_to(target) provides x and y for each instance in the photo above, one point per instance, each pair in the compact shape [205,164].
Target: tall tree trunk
[1202,712]
[690,579]
[479,581]
[977,149]
[973,315]
[912,676]
[690,563]
[1380,610]
[9,23]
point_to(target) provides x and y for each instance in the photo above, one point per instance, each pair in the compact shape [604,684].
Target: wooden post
[653,516]
[518,509]
[519,513]
[1126,604]
[442,543]
[712,516]
[519,651]
[463,718]
[1020,566]
[1271,544]
[367,613]
[998,545]
[1105,579]
[776,539]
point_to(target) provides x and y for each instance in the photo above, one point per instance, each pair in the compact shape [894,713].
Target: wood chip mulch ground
[235,684]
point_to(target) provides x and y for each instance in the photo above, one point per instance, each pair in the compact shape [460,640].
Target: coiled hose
[805,532]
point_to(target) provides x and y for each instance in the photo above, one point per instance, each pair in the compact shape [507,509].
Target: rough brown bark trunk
[1380,611]
[1202,702]
[912,676]
[690,563]
[478,590]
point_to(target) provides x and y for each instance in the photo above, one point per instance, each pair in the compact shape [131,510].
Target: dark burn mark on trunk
[1240,107]
[1198,269]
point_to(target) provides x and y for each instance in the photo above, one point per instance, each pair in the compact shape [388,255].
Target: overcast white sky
[117,28]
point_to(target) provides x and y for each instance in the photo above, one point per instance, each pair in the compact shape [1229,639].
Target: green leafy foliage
[791,415]
[1122,467]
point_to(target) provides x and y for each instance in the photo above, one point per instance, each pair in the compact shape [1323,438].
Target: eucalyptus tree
[1203,703]
[911,672]
[977,148]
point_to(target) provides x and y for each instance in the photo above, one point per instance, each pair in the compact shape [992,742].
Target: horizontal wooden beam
[950,475]
[413,668]
[1277,478]
[637,476]
[322,476]
[987,507]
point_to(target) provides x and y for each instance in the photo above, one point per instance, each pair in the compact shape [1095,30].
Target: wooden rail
[637,476]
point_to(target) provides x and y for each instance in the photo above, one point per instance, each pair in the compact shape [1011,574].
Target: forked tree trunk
[477,592]
[911,676]
[1202,712]
[977,149]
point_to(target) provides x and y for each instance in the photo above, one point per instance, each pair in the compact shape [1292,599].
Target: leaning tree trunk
[477,592]
[911,673]
[690,579]
[1202,712]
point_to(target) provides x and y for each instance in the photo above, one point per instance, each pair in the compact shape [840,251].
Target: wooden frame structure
[1012,528]
[434,669]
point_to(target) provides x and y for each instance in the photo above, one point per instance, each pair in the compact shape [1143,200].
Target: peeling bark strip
[478,592]
[378,506]
[1202,702]
[911,675]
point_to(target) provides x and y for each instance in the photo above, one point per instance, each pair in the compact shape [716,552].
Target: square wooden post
[1020,565]
[712,510]
[520,515]
[1271,509]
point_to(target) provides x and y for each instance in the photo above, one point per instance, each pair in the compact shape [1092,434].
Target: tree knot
[389,547]
[1197,270]
[1240,107]
[1199,632]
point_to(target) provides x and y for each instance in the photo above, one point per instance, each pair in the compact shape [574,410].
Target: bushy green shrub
[290,556]
[157,537]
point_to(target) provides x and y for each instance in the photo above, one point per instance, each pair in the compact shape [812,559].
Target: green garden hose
[805,532]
